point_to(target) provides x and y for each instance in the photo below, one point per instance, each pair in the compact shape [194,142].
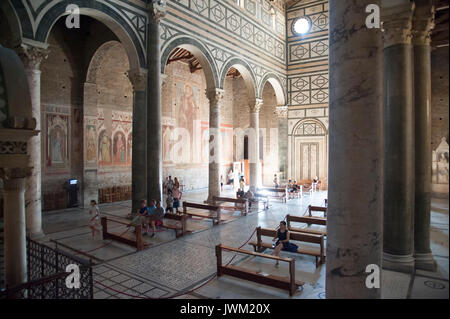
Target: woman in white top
[94,223]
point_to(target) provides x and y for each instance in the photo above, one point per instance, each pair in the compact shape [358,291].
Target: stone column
[399,139]
[138,79]
[154,107]
[282,114]
[355,208]
[14,224]
[215,98]
[422,26]
[32,58]
[253,145]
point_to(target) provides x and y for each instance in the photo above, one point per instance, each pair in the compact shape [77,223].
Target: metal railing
[47,275]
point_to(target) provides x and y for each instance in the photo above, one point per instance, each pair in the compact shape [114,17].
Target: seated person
[282,241]
[250,197]
[155,215]
[141,216]
[290,186]
[240,193]
[315,183]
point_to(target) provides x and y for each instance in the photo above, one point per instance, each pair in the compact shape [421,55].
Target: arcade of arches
[140,92]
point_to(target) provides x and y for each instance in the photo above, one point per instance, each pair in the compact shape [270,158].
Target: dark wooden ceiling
[440,34]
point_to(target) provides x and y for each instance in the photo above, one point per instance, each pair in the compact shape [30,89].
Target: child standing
[94,223]
[176,199]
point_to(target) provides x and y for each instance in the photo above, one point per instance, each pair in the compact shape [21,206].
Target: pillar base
[37,235]
[400,263]
[425,262]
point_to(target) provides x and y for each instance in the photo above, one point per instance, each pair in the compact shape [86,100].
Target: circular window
[301,26]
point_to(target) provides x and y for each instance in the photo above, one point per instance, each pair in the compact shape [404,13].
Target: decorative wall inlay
[13,147]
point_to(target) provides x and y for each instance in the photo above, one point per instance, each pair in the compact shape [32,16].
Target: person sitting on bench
[169,202]
[156,216]
[251,198]
[240,193]
[282,241]
[141,216]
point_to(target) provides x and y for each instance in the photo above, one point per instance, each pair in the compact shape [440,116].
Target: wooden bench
[319,253]
[213,212]
[239,204]
[309,221]
[277,193]
[138,242]
[179,226]
[269,280]
[317,209]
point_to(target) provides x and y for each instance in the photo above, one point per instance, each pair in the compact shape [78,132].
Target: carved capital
[13,177]
[138,80]
[32,56]
[397,24]
[423,24]
[282,112]
[215,96]
[255,106]
[157,9]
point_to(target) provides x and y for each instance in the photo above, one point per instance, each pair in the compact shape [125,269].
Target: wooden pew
[179,227]
[319,253]
[138,243]
[274,281]
[306,220]
[317,209]
[239,204]
[213,212]
[279,193]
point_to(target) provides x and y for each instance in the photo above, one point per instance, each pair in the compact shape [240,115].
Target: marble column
[253,145]
[215,98]
[422,26]
[32,58]
[154,107]
[282,114]
[14,225]
[138,79]
[398,228]
[355,208]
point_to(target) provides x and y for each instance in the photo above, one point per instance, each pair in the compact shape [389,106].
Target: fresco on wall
[104,148]
[129,148]
[57,141]
[119,148]
[91,145]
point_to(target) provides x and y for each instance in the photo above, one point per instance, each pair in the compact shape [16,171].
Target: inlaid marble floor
[175,266]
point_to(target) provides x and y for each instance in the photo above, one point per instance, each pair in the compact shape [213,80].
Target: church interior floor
[173,266]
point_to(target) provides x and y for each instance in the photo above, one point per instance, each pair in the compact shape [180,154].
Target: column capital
[12,175]
[215,96]
[255,105]
[138,79]
[397,24]
[282,112]
[157,10]
[423,24]
[32,56]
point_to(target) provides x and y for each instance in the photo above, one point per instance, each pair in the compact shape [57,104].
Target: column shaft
[282,113]
[139,150]
[399,141]
[215,143]
[15,234]
[154,110]
[422,25]
[254,146]
[354,238]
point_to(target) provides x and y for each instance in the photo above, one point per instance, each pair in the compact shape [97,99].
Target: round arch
[199,51]
[277,87]
[13,22]
[97,58]
[246,72]
[113,20]
[304,121]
